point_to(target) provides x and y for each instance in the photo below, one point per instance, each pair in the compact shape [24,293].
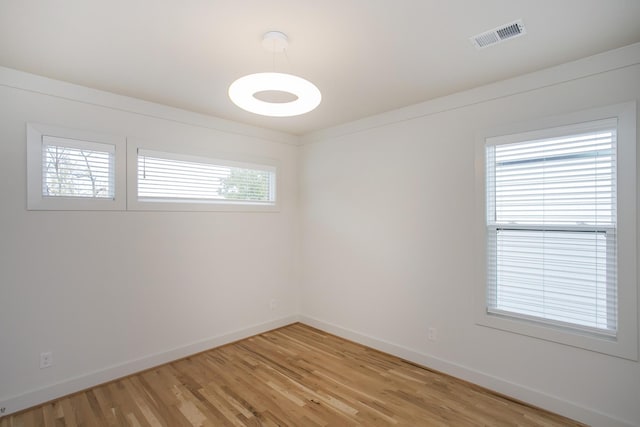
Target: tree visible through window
[172,178]
[76,169]
[246,184]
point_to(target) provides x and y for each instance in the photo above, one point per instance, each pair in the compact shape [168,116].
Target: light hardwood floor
[293,376]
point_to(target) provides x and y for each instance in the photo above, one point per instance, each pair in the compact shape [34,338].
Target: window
[70,169]
[552,231]
[171,181]
[551,227]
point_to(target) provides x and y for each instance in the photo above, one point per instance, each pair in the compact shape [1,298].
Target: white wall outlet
[46,359]
[273,304]
[432,334]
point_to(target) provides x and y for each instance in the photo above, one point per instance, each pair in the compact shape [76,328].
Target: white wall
[388,207]
[110,293]
[386,222]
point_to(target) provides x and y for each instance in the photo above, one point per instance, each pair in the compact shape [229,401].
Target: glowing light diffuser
[242,92]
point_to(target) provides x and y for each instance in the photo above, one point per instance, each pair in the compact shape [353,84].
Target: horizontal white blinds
[551,226]
[73,168]
[171,177]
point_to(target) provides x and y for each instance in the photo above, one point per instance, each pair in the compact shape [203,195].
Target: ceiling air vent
[499,34]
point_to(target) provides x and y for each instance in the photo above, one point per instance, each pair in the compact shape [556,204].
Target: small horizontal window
[171,178]
[74,170]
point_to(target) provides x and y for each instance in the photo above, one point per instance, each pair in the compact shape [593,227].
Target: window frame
[625,342]
[498,227]
[35,198]
[134,203]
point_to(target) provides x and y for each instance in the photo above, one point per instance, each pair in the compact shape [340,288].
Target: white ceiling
[366,56]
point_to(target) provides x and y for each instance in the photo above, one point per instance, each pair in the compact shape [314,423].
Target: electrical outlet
[273,304]
[432,334]
[46,359]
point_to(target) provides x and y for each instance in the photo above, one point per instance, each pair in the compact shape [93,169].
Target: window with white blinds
[552,226]
[73,168]
[176,178]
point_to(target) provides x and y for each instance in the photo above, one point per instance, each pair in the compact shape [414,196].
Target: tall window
[557,216]
[552,226]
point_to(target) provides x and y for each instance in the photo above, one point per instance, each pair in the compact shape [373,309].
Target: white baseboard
[525,394]
[82,382]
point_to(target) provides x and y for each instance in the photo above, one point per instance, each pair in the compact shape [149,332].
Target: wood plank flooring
[293,376]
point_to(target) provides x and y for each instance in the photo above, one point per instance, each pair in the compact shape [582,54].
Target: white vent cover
[499,34]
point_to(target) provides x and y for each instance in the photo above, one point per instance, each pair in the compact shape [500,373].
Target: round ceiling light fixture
[300,95]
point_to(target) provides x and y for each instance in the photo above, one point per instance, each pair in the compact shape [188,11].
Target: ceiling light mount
[275,42]
[304,94]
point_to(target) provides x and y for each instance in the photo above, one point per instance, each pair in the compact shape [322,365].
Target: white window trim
[625,344]
[35,199]
[188,154]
